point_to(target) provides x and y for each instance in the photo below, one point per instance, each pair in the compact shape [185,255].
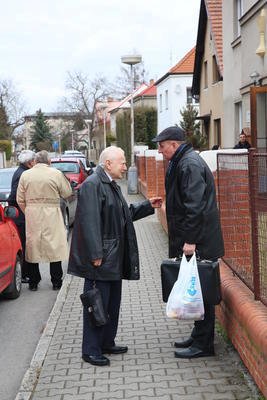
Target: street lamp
[72,139]
[88,124]
[104,107]
[132,172]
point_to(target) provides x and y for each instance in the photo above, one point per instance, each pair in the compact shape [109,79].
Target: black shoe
[96,360]
[57,286]
[25,279]
[193,352]
[115,350]
[33,287]
[184,344]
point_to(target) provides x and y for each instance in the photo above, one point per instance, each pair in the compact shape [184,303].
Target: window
[238,118]
[189,99]
[166,100]
[160,102]
[217,131]
[238,12]
[215,71]
[205,74]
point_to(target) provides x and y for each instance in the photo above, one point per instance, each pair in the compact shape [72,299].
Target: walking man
[27,160]
[38,196]
[104,248]
[193,223]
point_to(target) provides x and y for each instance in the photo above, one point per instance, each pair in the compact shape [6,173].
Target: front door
[258,107]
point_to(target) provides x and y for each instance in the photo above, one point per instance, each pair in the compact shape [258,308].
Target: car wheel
[67,223]
[13,290]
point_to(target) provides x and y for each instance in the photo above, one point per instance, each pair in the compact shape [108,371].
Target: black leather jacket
[104,229]
[191,207]
[20,220]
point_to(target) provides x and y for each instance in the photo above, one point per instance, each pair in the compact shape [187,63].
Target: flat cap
[171,133]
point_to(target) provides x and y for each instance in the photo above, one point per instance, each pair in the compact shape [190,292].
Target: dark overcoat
[103,228]
[12,201]
[191,207]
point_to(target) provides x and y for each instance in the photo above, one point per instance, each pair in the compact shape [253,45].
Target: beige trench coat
[38,196]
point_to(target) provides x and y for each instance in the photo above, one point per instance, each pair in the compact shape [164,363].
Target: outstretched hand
[156,202]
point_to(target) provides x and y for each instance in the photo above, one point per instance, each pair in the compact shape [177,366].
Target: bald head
[112,159]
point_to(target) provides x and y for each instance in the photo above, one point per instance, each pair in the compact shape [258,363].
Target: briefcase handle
[199,260]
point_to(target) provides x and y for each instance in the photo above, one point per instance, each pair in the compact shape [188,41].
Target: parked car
[6,175]
[11,254]
[68,206]
[89,165]
[73,168]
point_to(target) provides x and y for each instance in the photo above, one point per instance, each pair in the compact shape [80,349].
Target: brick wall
[243,318]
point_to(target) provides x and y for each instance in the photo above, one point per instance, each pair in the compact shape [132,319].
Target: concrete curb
[31,376]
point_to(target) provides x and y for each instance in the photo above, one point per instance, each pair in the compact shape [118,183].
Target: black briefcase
[209,275]
[92,301]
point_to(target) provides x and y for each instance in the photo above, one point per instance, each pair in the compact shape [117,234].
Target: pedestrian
[104,248]
[26,161]
[193,223]
[38,196]
[243,143]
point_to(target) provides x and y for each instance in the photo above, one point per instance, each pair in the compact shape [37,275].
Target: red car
[73,168]
[10,254]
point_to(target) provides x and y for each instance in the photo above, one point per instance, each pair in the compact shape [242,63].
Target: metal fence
[242,196]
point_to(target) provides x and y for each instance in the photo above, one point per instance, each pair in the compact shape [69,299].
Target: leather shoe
[193,352]
[184,344]
[100,361]
[115,350]
[57,286]
[25,279]
[33,287]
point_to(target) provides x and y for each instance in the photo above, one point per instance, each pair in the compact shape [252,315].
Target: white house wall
[177,99]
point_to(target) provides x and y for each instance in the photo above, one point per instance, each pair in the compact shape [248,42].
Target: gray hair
[26,156]
[109,153]
[42,157]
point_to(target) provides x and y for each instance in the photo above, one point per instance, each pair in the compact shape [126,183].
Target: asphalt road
[21,324]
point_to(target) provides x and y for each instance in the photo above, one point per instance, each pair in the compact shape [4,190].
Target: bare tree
[123,83]
[12,102]
[84,94]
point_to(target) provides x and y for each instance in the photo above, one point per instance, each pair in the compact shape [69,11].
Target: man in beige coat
[38,196]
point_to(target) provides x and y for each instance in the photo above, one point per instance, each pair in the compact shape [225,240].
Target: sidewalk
[149,369]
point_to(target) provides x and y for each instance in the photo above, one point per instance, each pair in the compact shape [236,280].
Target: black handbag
[92,301]
[209,275]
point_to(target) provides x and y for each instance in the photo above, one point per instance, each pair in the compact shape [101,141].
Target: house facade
[121,106]
[174,91]
[208,71]
[245,71]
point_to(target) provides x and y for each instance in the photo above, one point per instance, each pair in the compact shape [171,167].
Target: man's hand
[189,249]
[97,263]
[156,202]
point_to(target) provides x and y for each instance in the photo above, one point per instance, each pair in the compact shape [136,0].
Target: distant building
[174,91]
[59,122]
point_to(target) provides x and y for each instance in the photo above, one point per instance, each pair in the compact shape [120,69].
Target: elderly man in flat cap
[193,223]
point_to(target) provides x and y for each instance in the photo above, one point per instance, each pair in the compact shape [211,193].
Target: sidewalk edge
[32,374]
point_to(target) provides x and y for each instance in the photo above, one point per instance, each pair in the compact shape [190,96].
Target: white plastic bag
[185,300]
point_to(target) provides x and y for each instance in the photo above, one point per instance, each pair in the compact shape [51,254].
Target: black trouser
[97,338]
[25,264]
[203,331]
[56,273]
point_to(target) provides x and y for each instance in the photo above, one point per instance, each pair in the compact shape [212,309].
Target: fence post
[253,190]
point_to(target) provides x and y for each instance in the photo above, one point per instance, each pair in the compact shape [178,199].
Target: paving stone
[149,369]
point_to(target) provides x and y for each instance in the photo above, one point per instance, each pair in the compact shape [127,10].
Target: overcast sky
[40,40]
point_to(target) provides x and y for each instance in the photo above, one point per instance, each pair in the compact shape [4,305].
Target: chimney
[151,82]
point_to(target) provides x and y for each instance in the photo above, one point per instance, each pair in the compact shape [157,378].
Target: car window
[66,167]
[5,179]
